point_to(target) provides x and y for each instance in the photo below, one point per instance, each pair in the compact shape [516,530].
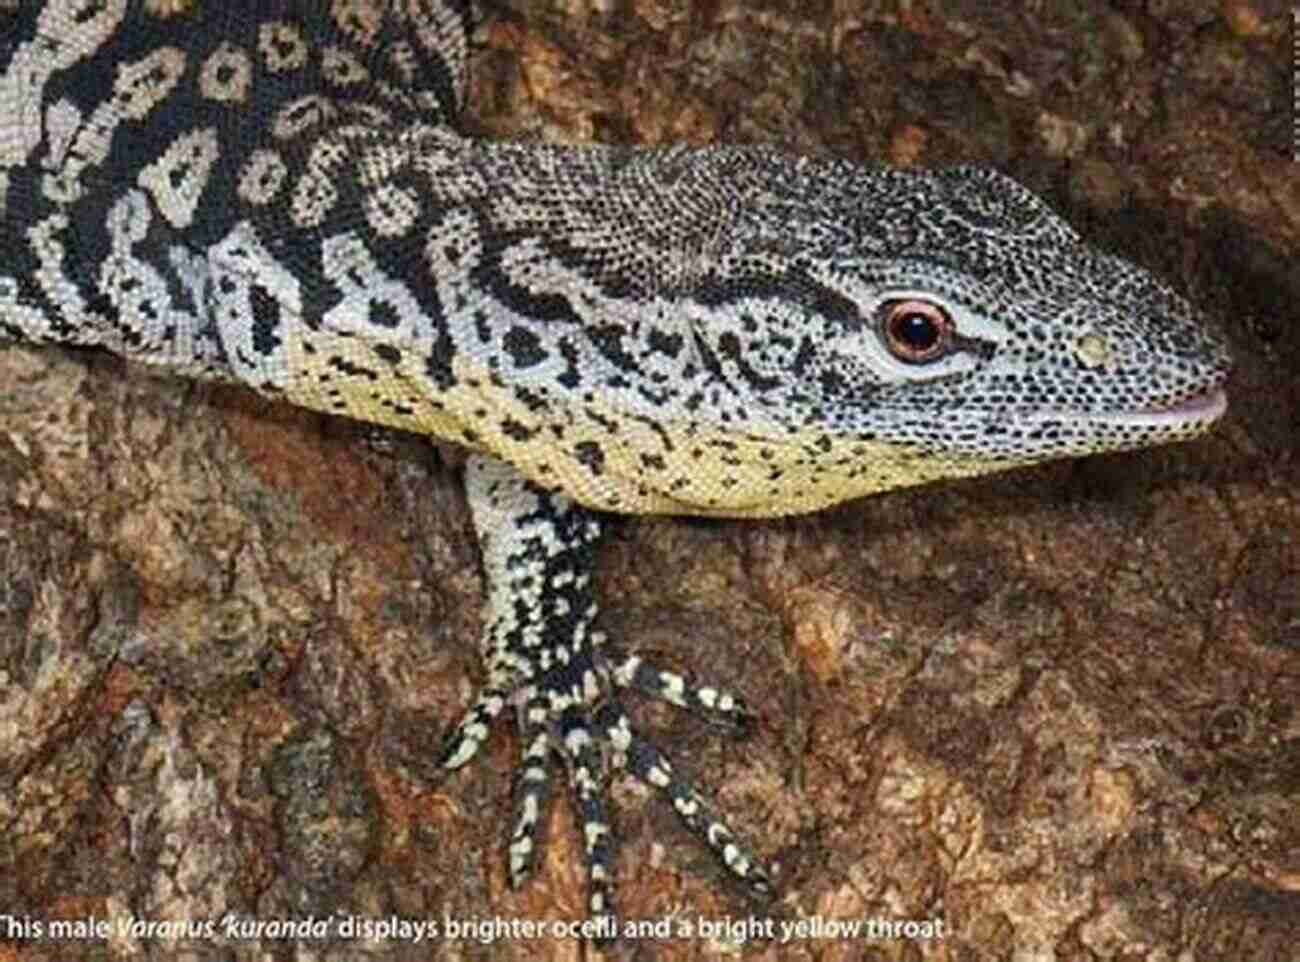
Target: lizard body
[278,195]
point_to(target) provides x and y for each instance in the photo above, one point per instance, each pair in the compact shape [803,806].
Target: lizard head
[941,323]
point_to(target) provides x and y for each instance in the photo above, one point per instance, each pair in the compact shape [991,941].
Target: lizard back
[136,136]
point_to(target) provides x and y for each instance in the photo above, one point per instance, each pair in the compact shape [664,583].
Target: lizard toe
[716,705]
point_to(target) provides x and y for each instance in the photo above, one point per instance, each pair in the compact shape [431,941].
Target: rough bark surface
[1057,709]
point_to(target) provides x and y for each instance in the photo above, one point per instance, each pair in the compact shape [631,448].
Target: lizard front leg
[545,659]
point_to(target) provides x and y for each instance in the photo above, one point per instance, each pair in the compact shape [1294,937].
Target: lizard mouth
[1203,408]
[1206,406]
[1190,415]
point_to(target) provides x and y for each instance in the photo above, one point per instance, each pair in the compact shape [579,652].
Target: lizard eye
[916,331]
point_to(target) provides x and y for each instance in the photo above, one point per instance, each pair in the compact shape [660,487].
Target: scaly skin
[282,198]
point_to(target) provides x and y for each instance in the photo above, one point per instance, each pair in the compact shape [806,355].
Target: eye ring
[916,331]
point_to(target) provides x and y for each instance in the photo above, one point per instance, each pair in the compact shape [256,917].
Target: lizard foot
[563,680]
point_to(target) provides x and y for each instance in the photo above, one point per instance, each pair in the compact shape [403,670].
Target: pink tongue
[1202,407]
[1200,404]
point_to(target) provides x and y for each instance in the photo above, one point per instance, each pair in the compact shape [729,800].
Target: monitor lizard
[281,195]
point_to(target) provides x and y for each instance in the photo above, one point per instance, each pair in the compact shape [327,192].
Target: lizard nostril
[1093,350]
